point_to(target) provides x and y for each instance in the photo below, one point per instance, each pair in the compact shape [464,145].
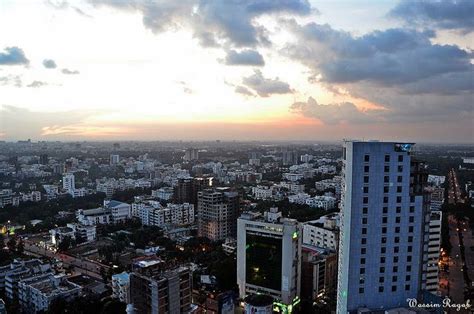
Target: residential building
[191,154]
[324,202]
[323,232]
[36,293]
[168,292]
[318,272]
[121,287]
[69,182]
[217,213]
[114,159]
[432,245]
[19,269]
[176,214]
[382,222]
[268,256]
[299,198]
[164,193]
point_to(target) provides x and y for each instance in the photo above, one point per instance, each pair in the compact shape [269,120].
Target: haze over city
[245,70]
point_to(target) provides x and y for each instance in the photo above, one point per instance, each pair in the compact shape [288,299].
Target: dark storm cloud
[386,58]
[244,57]
[265,87]
[13,56]
[49,64]
[444,14]
[212,20]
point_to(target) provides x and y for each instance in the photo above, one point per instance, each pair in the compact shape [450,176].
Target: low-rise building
[36,293]
[324,202]
[323,232]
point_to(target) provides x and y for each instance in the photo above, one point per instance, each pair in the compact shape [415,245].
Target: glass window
[366,158]
[380,289]
[387,158]
[400,158]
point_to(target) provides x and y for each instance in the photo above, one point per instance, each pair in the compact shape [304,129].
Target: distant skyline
[237,70]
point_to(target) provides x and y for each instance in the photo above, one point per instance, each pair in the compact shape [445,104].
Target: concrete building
[432,245]
[323,202]
[112,212]
[382,222]
[436,197]
[121,287]
[217,213]
[323,232]
[268,256]
[69,182]
[176,214]
[11,275]
[168,292]
[114,159]
[318,272]
[164,193]
[191,154]
[36,293]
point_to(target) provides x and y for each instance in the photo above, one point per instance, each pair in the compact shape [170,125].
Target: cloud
[345,112]
[69,72]
[36,84]
[49,64]
[393,57]
[244,91]
[444,14]
[265,87]
[213,21]
[13,56]
[186,88]
[17,122]
[14,80]
[244,57]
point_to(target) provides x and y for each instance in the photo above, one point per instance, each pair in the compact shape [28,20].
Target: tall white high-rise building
[269,256]
[69,183]
[382,226]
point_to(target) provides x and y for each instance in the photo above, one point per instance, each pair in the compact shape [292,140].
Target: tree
[11,244]
[20,247]
[65,244]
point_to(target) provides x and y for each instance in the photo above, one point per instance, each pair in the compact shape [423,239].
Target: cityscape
[236,156]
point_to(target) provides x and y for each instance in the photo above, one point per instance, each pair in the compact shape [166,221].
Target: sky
[237,70]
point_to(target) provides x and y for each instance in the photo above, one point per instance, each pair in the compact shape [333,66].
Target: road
[454,191]
[85,266]
[456,273]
